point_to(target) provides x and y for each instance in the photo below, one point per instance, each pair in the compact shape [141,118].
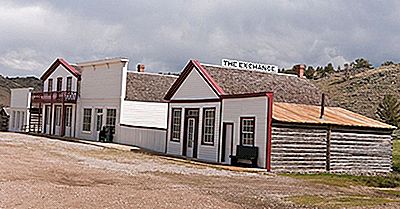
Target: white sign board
[250,66]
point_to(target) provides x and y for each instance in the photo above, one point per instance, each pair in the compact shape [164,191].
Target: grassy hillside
[17,82]
[363,91]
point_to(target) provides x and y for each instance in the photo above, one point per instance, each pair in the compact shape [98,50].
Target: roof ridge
[152,73]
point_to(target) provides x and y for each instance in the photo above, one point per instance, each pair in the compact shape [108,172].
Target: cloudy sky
[165,34]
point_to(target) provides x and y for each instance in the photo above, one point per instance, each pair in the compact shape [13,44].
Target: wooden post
[328,148]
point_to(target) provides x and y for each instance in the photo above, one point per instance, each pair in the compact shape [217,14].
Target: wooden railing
[55,96]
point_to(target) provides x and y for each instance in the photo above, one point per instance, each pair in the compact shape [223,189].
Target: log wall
[360,153]
[298,149]
[326,149]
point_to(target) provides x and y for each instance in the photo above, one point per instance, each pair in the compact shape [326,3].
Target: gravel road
[37,172]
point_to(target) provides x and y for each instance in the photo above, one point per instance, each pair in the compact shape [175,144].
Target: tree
[361,63]
[310,72]
[387,63]
[389,110]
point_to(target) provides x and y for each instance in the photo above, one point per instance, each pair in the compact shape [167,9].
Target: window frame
[69,84]
[59,84]
[172,125]
[203,127]
[50,85]
[241,130]
[110,119]
[90,120]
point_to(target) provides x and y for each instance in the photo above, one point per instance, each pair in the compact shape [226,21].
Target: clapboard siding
[298,149]
[360,153]
[151,139]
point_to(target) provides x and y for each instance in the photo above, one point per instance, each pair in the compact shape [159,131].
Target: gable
[194,87]
[56,64]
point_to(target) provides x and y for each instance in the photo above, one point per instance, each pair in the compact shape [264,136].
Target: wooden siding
[298,149]
[322,149]
[256,107]
[205,152]
[148,114]
[360,153]
[194,87]
[103,81]
[64,73]
[150,139]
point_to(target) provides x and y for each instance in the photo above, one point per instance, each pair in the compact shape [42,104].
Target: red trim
[209,78]
[257,94]
[65,64]
[269,129]
[185,72]
[194,100]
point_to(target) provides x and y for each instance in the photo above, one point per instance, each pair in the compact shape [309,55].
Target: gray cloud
[165,34]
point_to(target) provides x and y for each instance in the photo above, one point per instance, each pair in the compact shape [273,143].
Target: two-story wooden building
[79,100]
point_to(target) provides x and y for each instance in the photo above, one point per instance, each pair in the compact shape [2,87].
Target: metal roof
[310,114]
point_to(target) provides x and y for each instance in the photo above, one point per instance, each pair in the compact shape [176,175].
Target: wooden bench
[245,153]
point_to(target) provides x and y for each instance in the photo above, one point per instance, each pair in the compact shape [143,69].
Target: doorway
[191,133]
[227,142]
[47,119]
[99,122]
[68,121]
[57,120]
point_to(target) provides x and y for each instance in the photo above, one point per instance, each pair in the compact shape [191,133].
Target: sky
[164,35]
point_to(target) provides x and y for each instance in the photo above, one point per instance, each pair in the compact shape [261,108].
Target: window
[87,119]
[59,84]
[69,84]
[50,85]
[99,119]
[176,124]
[247,126]
[208,126]
[111,118]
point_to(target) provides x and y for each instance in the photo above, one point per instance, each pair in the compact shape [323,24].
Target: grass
[389,181]
[339,201]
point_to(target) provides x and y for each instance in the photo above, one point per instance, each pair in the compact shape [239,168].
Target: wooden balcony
[55,97]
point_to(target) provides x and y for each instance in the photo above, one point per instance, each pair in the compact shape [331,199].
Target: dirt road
[37,172]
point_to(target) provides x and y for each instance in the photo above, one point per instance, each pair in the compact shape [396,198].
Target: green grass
[339,201]
[388,181]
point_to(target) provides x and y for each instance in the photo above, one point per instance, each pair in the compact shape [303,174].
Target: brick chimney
[140,68]
[299,69]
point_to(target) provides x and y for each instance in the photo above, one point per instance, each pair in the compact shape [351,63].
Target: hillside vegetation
[362,91]
[17,82]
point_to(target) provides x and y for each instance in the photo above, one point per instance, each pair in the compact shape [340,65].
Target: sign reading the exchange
[250,66]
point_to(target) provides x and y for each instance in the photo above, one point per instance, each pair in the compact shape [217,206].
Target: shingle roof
[286,88]
[147,87]
[309,114]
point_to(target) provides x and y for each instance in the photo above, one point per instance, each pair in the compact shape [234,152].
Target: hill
[16,82]
[362,91]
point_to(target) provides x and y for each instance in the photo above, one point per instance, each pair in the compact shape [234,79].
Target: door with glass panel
[57,120]
[99,122]
[190,139]
[68,121]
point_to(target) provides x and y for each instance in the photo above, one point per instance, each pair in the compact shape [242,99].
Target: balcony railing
[55,97]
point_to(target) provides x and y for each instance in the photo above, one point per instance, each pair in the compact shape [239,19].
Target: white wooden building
[215,110]
[19,109]
[79,100]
